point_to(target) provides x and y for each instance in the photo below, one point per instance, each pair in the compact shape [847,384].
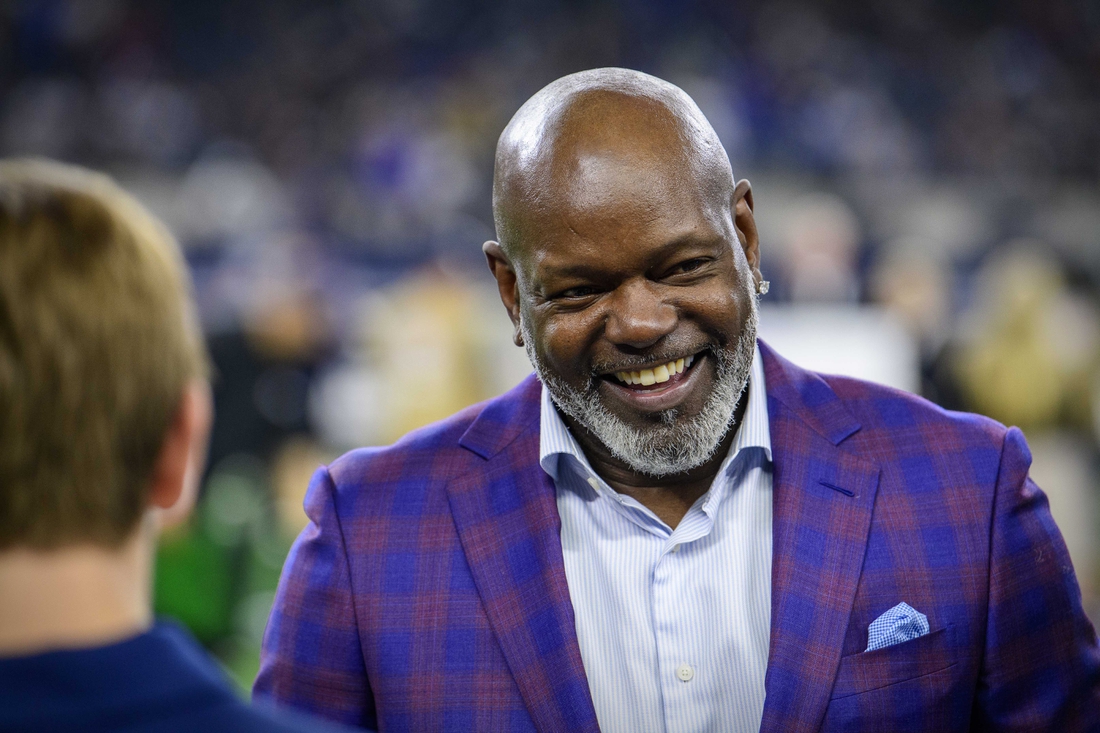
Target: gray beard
[672,444]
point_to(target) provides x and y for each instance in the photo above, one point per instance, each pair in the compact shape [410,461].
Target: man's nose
[639,317]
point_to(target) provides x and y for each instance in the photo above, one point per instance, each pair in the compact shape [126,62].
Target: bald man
[669,527]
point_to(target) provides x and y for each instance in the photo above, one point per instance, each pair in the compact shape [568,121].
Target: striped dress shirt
[673,625]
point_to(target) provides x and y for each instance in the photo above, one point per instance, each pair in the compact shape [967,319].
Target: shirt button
[594,483]
[675,548]
[685,672]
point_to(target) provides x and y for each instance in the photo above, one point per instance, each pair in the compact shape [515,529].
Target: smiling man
[671,527]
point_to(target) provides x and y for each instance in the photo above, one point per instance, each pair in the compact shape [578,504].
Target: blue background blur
[925,172]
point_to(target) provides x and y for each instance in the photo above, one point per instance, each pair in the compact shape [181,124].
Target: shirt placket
[681,669]
[681,663]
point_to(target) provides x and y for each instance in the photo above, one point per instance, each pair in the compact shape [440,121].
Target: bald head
[588,132]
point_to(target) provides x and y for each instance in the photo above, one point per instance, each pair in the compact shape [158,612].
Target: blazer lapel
[822,504]
[507,519]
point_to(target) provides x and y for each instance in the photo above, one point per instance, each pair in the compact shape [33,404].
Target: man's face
[637,310]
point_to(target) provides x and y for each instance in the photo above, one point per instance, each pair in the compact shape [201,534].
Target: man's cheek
[563,346]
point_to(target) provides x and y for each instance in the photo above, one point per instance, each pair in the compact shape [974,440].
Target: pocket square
[900,623]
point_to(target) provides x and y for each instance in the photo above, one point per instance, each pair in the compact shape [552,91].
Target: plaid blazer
[429,592]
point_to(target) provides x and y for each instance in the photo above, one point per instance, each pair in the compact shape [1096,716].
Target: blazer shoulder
[439,451]
[412,453]
[884,408]
[926,452]
[867,415]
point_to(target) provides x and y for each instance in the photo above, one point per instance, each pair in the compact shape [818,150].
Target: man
[673,528]
[104,416]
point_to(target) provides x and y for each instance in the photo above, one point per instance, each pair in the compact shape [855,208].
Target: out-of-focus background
[926,175]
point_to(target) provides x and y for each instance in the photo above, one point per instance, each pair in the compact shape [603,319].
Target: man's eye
[689,266]
[578,292]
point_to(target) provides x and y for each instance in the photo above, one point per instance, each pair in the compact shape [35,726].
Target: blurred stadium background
[926,172]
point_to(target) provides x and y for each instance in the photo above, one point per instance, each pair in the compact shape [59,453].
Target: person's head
[104,408]
[625,244]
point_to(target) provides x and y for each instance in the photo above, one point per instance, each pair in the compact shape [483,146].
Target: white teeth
[657,375]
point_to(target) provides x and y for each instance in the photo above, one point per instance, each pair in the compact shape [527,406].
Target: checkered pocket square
[900,623]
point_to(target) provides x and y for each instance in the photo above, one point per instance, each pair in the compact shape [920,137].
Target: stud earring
[762,287]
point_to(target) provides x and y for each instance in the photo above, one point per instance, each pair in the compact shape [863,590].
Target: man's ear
[175,480]
[507,284]
[741,206]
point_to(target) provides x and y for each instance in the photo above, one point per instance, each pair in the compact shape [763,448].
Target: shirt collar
[556,442]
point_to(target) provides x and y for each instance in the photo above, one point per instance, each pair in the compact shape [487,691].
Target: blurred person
[1028,349]
[819,250]
[291,469]
[429,349]
[425,348]
[105,411]
[915,286]
[671,527]
[912,283]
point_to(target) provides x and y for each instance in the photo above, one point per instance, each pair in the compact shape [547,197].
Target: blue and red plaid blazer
[429,593]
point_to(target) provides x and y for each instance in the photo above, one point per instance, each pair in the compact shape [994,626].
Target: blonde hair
[98,341]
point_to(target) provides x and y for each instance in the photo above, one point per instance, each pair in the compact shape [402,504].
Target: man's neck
[669,497]
[74,597]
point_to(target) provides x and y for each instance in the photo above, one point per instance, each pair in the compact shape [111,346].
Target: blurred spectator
[819,250]
[1029,348]
[426,347]
[916,286]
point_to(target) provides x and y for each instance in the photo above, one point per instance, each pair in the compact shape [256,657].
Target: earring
[762,287]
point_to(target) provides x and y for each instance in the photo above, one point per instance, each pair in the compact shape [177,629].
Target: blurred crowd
[327,168]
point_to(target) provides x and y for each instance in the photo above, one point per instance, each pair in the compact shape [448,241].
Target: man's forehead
[618,181]
[628,190]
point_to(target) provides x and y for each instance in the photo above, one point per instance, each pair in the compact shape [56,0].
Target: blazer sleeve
[1041,664]
[311,659]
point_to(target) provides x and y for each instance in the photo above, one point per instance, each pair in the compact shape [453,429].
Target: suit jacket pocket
[891,665]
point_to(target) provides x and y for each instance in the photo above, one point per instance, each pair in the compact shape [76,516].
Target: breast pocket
[892,665]
[914,685]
